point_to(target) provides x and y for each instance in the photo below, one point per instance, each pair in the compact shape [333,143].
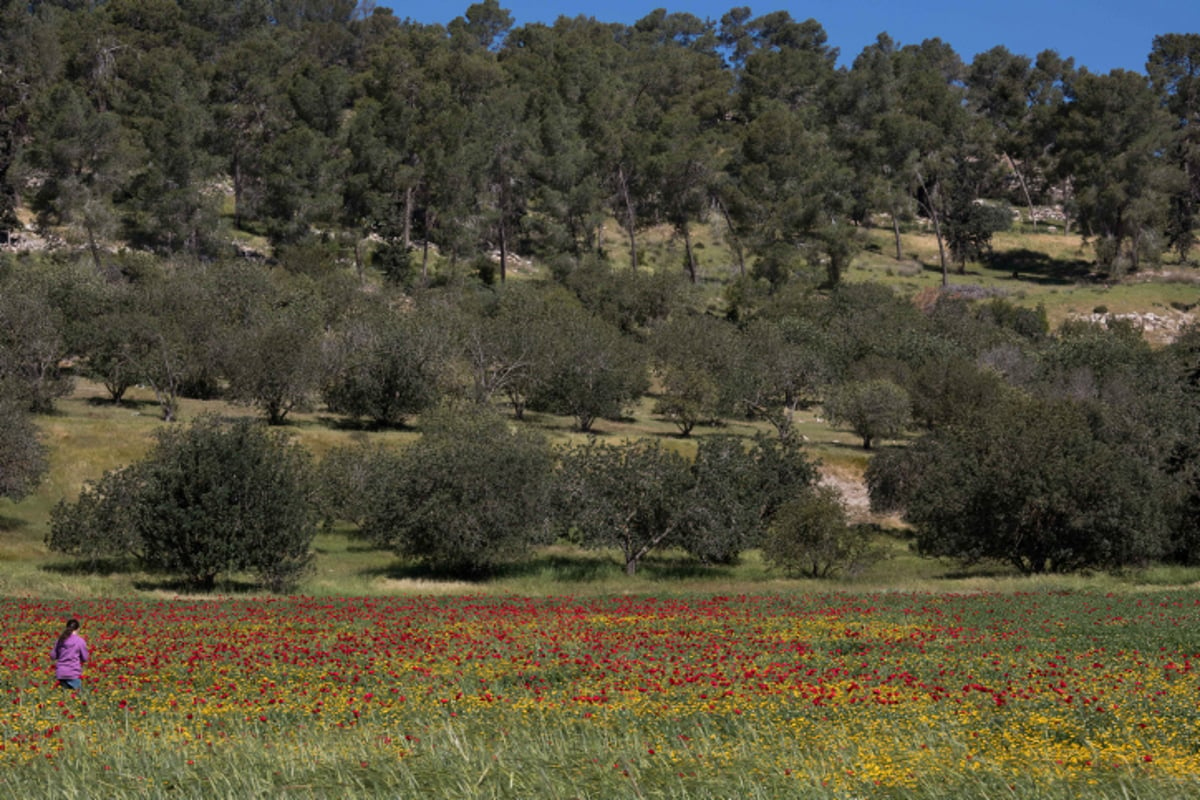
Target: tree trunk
[503,251]
[425,256]
[630,217]
[94,249]
[1024,188]
[408,212]
[931,207]
[896,233]
[238,190]
[937,231]
[690,263]
[733,237]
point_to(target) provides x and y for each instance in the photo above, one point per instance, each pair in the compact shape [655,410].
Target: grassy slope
[88,436]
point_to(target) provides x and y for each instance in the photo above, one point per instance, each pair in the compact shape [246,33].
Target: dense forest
[289,203]
[141,122]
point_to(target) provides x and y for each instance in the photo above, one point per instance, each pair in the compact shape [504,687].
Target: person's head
[72,626]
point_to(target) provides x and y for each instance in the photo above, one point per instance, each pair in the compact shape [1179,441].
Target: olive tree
[1028,482]
[207,501]
[32,348]
[873,409]
[383,364]
[631,496]
[639,497]
[691,354]
[810,535]
[465,498]
[275,363]
[737,487]
[591,371]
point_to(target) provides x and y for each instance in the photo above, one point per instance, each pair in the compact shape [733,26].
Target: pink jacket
[70,657]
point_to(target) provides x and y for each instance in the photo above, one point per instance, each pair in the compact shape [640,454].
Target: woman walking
[69,655]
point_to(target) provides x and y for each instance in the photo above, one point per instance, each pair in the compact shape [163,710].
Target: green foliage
[209,500]
[1173,69]
[811,536]
[396,262]
[632,301]
[383,364]
[32,348]
[22,456]
[590,371]
[874,409]
[100,524]
[949,388]
[348,480]
[1113,133]
[1029,483]
[736,489]
[467,497]
[781,366]
[640,497]
[275,362]
[691,352]
[632,496]
[969,232]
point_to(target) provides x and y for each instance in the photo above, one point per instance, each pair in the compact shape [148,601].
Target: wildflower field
[807,695]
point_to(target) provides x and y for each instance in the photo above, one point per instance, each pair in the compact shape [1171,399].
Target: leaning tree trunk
[630,217]
[1024,188]
[733,237]
[931,207]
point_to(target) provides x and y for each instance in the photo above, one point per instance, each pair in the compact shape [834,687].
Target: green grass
[1054,270]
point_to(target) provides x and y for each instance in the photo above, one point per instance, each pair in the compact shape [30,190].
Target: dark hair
[72,626]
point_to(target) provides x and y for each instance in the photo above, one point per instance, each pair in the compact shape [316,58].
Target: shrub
[810,536]
[468,496]
[208,500]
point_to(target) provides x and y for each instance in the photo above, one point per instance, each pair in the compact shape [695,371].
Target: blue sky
[1100,34]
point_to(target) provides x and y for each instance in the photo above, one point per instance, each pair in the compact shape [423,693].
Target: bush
[466,497]
[207,501]
[810,536]
[1026,482]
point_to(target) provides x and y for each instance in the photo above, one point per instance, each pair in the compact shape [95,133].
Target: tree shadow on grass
[401,570]
[108,567]
[125,403]
[11,524]
[573,568]
[359,425]
[958,572]
[102,567]
[675,569]
[580,567]
[1036,267]
[225,586]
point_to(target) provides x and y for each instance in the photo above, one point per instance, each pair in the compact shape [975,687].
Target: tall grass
[830,695]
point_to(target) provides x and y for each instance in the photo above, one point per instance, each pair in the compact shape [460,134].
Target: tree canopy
[382,134]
